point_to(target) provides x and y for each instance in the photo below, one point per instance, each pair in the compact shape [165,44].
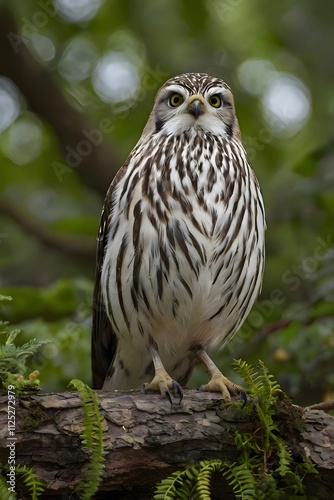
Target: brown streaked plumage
[180,252]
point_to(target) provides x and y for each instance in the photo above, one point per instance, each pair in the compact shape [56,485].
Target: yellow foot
[164,384]
[219,383]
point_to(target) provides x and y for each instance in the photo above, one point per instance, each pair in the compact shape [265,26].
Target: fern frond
[252,377]
[252,477]
[263,387]
[92,438]
[284,457]
[268,384]
[207,468]
[261,384]
[35,486]
[242,481]
[5,494]
[13,362]
[177,486]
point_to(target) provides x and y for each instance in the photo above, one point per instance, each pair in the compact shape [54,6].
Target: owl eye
[215,101]
[176,100]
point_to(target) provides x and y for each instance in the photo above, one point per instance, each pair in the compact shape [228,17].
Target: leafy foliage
[252,477]
[60,318]
[178,485]
[13,365]
[13,359]
[5,494]
[34,486]
[207,468]
[242,480]
[92,439]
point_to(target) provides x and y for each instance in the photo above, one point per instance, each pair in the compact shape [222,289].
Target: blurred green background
[77,82]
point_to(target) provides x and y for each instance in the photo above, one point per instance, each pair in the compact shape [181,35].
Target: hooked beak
[196,106]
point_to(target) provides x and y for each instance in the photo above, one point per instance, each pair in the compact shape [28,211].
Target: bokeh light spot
[78,60]
[78,10]
[115,78]
[254,74]
[285,99]
[23,141]
[9,103]
[286,104]
[42,47]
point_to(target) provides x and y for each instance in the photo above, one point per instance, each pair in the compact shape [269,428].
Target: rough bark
[146,439]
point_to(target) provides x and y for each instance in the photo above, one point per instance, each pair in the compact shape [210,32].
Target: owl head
[194,101]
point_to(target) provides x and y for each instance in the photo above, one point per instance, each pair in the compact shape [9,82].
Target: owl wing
[104,339]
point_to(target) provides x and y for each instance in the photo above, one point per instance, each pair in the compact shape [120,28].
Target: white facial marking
[179,120]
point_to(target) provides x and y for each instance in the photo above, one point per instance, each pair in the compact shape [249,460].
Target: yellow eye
[215,101]
[176,100]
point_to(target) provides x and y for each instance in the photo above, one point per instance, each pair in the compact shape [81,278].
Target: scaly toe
[228,389]
[216,385]
[165,386]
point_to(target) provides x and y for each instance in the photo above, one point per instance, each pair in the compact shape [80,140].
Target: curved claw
[169,397]
[165,387]
[229,390]
[174,387]
[143,389]
[243,397]
[178,390]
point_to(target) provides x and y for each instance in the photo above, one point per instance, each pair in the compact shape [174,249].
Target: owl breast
[185,255]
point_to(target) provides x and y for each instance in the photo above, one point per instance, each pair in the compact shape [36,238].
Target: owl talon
[168,396]
[243,396]
[142,389]
[167,388]
[230,391]
[178,390]
[164,384]
[219,383]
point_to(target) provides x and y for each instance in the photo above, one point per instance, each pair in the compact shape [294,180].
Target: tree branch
[146,439]
[260,336]
[77,246]
[325,406]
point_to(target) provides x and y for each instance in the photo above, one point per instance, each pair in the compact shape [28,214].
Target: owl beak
[196,106]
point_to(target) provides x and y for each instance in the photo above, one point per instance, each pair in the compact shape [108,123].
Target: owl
[180,253]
